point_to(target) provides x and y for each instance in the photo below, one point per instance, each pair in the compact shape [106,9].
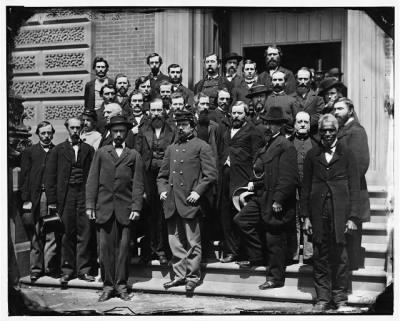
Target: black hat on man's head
[275,115]
[328,83]
[184,116]
[233,55]
[119,120]
[258,89]
[335,71]
[90,113]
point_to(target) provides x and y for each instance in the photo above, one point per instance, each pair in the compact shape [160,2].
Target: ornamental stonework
[75,60]
[62,111]
[24,63]
[64,13]
[30,112]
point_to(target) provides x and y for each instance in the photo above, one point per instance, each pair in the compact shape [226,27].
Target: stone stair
[230,280]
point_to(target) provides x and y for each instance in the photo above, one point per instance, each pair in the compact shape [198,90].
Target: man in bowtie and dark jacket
[44,258]
[114,199]
[66,175]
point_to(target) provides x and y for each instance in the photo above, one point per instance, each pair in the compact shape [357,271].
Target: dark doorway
[299,55]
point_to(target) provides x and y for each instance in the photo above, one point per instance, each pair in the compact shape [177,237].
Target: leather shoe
[320,307]
[105,296]
[65,278]
[190,286]
[269,285]
[35,276]
[176,282]
[228,259]
[163,260]
[124,296]
[249,264]
[87,277]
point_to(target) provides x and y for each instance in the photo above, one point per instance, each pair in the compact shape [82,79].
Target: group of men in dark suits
[172,158]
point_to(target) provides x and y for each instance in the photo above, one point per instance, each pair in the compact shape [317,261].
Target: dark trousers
[156,223]
[249,222]
[331,263]
[277,248]
[114,254]
[230,230]
[75,250]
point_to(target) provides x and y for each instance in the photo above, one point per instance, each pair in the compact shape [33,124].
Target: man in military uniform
[187,172]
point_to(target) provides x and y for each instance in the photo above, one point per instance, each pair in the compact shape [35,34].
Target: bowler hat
[240,197]
[334,71]
[275,115]
[327,84]
[90,113]
[233,55]
[119,120]
[258,89]
[184,116]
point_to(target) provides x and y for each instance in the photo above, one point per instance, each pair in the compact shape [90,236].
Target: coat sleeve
[163,174]
[209,172]
[26,166]
[319,106]
[257,142]
[306,187]
[288,175]
[92,183]
[51,176]
[290,87]
[138,184]
[358,143]
[354,187]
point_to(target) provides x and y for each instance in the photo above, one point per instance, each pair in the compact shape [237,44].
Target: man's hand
[193,197]
[350,227]
[276,207]
[163,196]
[91,213]
[27,206]
[134,216]
[307,226]
[135,130]
[250,186]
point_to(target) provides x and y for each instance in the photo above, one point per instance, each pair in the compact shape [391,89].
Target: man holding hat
[114,197]
[89,134]
[187,172]
[274,181]
[232,61]
[331,90]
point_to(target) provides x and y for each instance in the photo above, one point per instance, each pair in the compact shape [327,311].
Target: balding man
[66,174]
[110,110]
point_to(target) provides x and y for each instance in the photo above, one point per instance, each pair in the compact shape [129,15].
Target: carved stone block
[50,86]
[26,62]
[64,14]
[54,35]
[66,60]
[62,110]
[30,109]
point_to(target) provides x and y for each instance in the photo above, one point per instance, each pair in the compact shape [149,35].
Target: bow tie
[329,150]
[119,146]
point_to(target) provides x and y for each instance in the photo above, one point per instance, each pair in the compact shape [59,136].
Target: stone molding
[66,60]
[26,62]
[62,110]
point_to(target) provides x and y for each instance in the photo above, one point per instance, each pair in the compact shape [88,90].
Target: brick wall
[125,39]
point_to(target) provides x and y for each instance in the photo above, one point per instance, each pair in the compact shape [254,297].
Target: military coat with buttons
[275,177]
[186,167]
[340,177]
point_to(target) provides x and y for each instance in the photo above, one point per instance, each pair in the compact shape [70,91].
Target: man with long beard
[307,99]
[273,55]
[122,85]
[154,61]
[152,141]
[175,78]
[239,148]
[92,97]
[232,61]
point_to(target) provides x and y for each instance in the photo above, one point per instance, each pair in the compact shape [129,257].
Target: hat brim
[233,57]
[274,120]
[127,124]
[267,91]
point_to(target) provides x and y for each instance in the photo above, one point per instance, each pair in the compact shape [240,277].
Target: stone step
[375,254]
[378,213]
[374,233]
[377,191]
[215,288]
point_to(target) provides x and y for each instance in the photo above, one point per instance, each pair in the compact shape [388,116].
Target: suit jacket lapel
[124,154]
[68,151]
[148,133]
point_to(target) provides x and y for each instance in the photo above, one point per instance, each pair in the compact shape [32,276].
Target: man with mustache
[273,55]
[307,99]
[152,141]
[280,98]
[239,148]
[187,172]
[249,80]
[110,110]
[330,199]
[353,135]
[213,80]
[107,92]
[221,114]
[89,133]
[175,78]
[258,96]
[44,251]
[66,174]
[114,199]
[232,61]
[331,89]
[122,85]
[165,91]
[92,97]
[154,61]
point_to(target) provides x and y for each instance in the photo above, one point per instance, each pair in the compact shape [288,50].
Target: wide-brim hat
[233,55]
[184,116]
[258,89]
[119,120]
[240,197]
[274,115]
[328,83]
[90,113]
